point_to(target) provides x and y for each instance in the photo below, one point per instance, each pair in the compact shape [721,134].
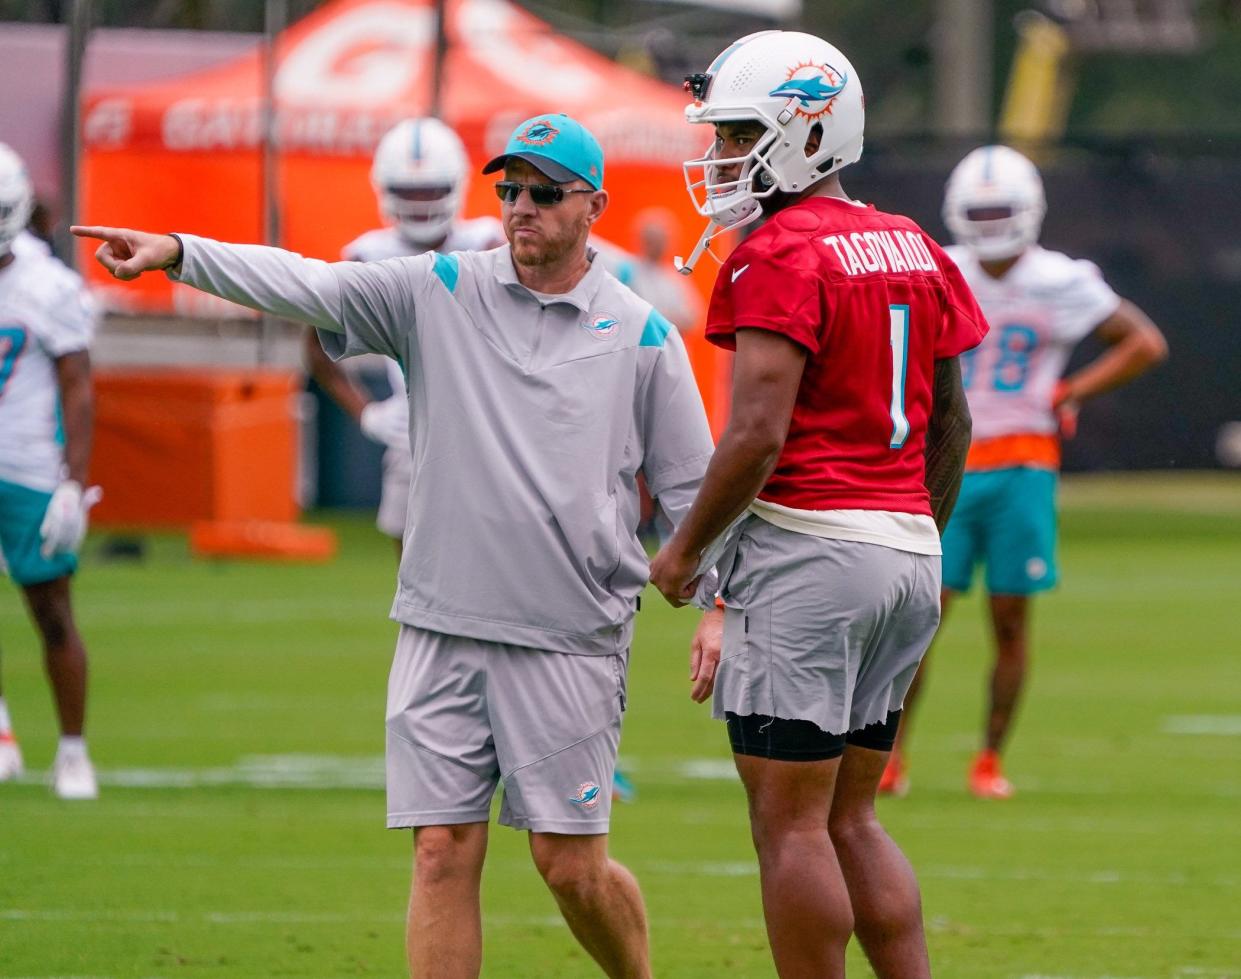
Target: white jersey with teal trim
[475,235]
[1038,312]
[531,418]
[27,244]
[45,313]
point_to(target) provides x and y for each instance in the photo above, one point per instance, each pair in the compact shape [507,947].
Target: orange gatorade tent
[187,154]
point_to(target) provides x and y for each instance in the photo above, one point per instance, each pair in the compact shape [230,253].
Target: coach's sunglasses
[543,195]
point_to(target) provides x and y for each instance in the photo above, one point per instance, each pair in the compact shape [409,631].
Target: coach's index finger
[96,231]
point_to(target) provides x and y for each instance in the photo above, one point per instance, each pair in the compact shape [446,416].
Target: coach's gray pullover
[531,416]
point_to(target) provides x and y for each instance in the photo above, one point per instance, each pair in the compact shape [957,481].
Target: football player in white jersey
[1039,304]
[419,175]
[46,325]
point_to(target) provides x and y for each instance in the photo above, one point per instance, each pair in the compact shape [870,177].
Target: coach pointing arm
[266,279]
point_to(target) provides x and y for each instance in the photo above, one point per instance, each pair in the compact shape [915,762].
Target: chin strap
[686,267]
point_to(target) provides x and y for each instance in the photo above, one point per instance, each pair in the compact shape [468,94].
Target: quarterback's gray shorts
[398,470]
[821,630]
[465,715]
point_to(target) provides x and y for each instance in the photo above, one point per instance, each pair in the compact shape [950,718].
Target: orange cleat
[895,779]
[986,779]
[10,757]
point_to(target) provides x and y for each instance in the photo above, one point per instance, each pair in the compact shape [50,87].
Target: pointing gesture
[127,254]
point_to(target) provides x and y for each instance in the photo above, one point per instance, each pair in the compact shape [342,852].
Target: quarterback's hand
[386,422]
[1066,408]
[127,254]
[64,523]
[675,574]
[704,654]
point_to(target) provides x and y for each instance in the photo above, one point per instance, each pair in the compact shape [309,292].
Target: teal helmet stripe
[723,56]
[416,149]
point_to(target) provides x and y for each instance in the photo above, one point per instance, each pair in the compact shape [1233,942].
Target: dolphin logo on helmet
[815,88]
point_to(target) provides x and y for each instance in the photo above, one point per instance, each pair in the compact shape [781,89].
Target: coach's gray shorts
[465,715]
[827,631]
[398,471]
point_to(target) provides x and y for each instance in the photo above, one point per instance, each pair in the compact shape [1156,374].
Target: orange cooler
[174,446]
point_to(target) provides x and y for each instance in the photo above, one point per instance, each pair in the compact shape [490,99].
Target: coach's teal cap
[561,147]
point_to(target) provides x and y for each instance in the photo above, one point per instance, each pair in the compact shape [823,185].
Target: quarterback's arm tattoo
[947,439]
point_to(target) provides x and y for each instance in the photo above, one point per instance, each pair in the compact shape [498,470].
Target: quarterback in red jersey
[838,467]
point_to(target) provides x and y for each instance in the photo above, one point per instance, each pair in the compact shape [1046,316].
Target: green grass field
[237,722]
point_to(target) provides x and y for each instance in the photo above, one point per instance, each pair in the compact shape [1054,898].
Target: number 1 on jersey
[899,324]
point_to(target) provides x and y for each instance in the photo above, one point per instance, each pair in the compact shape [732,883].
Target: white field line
[745,868]
[293,771]
[253,771]
[395,919]
[214,612]
[1228,725]
[687,868]
[1180,972]
[1108,975]
[722,770]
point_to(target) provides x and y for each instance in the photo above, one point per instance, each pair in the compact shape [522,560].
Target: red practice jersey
[875,302]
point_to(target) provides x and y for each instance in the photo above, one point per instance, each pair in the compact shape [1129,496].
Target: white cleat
[74,778]
[11,766]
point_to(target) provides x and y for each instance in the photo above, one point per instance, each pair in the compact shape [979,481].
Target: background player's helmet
[792,84]
[16,198]
[419,176]
[994,203]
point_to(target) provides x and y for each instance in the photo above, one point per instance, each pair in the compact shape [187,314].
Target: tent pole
[79,20]
[275,17]
[439,57]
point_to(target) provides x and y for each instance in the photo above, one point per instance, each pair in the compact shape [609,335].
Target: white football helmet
[994,203]
[792,84]
[16,198]
[419,176]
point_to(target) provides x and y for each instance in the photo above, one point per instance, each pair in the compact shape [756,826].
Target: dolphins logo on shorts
[587,795]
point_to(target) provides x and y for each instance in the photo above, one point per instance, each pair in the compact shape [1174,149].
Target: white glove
[64,524]
[387,422]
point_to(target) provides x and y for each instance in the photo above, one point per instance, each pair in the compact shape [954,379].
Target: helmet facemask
[996,232]
[423,214]
[734,203]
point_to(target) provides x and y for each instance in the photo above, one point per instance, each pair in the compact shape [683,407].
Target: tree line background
[1117,95]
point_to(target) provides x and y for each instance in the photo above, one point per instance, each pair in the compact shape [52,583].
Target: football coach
[539,388]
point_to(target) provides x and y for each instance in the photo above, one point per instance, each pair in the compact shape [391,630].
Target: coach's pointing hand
[127,254]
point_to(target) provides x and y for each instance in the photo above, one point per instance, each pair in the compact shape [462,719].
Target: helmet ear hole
[814,139]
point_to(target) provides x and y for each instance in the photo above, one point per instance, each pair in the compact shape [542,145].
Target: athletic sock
[71,746]
[6,725]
